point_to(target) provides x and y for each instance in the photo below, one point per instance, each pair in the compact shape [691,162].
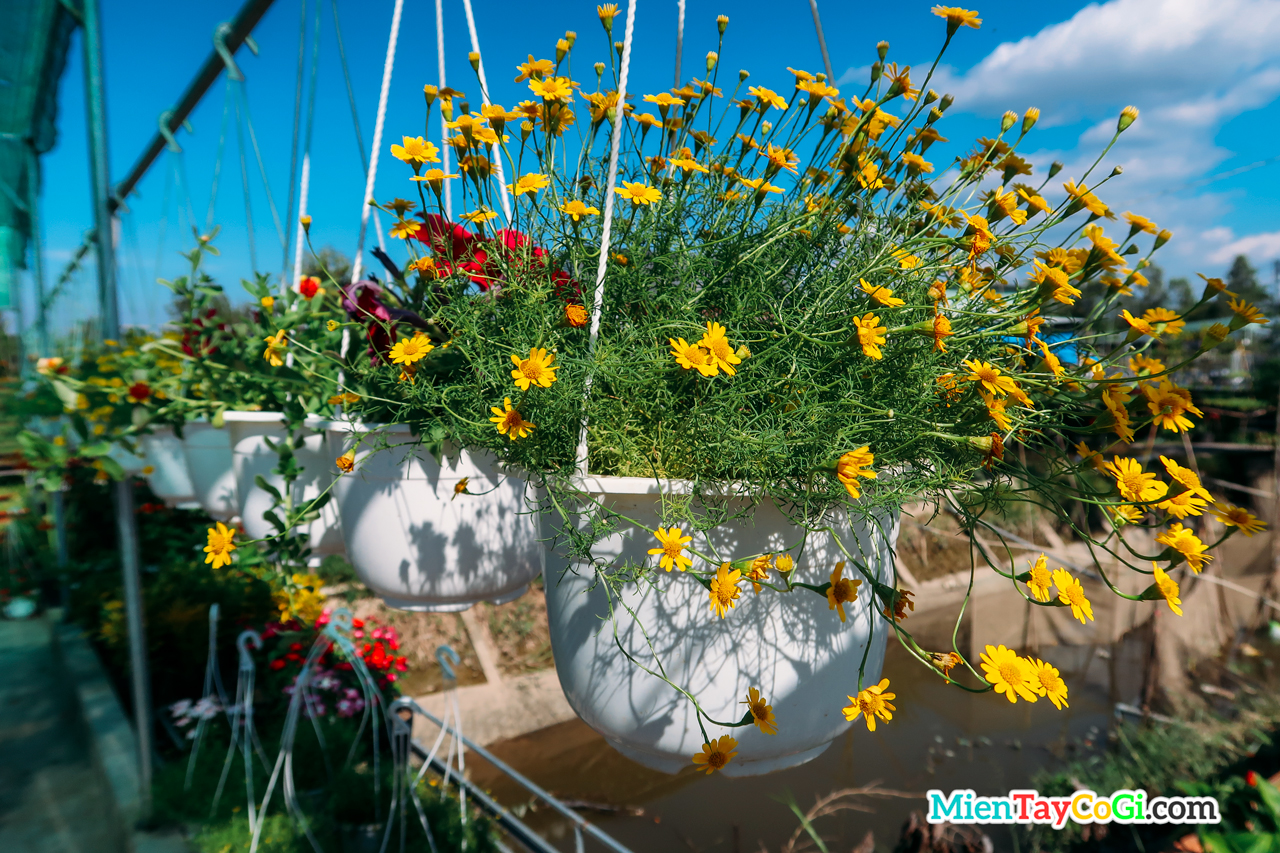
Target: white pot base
[451,607]
[733,768]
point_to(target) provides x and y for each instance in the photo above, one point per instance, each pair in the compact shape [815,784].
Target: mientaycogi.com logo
[1028,807]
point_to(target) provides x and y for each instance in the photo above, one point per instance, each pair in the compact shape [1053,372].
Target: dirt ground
[519,631]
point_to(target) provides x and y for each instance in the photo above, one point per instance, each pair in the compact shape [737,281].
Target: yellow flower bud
[618,46]
[474,58]
[712,59]
[606,14]
[743,75]
[947,101]
[305,220]
[570,38]
[1163,237]
[1214,335]
[430,93]
[267,302]
[930,97]
[1055,168]
[1127,117]
[1029,119]
[562,49]
[1008,120]
[882,49]
[722,21]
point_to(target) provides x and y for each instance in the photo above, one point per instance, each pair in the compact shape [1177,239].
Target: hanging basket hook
[243,642]
[448,659]
[220,34]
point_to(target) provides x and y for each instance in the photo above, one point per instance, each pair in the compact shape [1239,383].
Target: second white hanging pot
[428,535]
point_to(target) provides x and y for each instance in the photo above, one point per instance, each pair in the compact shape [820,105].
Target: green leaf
[1270,798]
[112,468]
[95,449]
[262,483]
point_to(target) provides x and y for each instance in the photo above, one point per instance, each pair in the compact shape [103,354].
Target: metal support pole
[138,666]
[95,100]
[99,168]
[822,43]
[37,249]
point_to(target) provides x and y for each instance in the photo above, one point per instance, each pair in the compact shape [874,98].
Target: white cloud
[1132,51]
[1189,65]
[1259,247]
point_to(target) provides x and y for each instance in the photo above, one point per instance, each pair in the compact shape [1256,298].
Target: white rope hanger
[484,96]
[597,303]
[377,140]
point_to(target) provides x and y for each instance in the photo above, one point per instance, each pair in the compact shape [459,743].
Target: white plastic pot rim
[244,417]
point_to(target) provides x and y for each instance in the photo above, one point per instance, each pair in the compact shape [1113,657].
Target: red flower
[1251,779]
[139,392]
[201,336]
[446,238]
[308,286]
[277,664]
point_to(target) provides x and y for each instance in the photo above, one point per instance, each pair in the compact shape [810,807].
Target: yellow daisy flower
[872,702]
[1008,673]
[761,712]
[716,754]
[534,370]
[724,590]
[672,548]
[220,545]
[509,422]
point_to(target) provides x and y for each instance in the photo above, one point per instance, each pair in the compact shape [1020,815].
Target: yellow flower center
[844,590]
[759,710]
[217,542]
[1010,672]
[1075,595]
[511,420]
[532,370]
[1048,680]
[719,348]
[724,593]
[716,759]
[672,549]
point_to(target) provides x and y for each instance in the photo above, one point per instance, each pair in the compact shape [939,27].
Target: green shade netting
[33,52]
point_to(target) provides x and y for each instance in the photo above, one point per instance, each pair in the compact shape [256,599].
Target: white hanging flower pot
[169,479]
[423,539]
[208,451]
[790,646]
[252,457]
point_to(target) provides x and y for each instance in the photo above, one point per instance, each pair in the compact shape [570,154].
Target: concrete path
[51,798]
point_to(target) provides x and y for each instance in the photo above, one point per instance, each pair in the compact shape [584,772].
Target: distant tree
[1242,278]
[1180,294]
[328,262]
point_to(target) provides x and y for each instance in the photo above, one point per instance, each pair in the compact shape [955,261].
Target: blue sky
[1205,73]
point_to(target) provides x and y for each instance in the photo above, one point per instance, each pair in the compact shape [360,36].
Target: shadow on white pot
[253,457]
[208,452]
[791,646]
[169,479]
[419,544]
